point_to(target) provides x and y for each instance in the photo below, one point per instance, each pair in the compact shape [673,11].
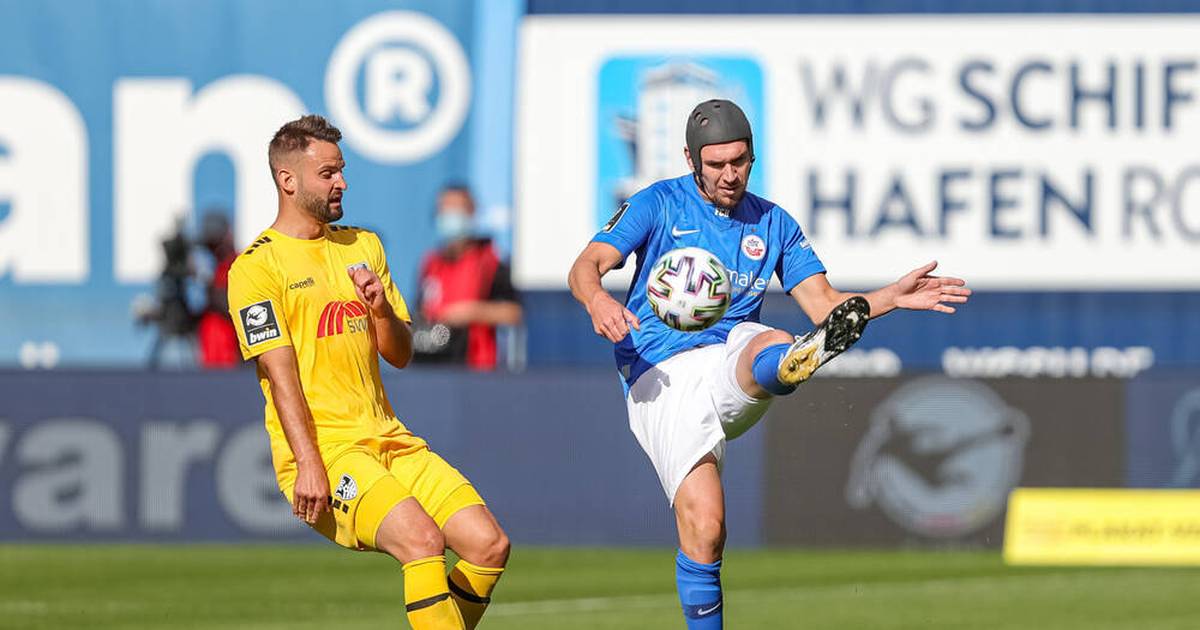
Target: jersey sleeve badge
[259,323]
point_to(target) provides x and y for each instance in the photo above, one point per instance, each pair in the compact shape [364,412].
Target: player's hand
[920,291]
[310,496]
[370,291]
[610,319]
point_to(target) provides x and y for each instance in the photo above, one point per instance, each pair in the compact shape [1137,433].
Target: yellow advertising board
[1065,526]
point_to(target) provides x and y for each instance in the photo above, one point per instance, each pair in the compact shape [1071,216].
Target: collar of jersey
[302,241]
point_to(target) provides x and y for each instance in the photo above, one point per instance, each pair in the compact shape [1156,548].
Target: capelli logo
[303,284]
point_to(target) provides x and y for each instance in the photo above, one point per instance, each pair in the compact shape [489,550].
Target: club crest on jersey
[754,247]
[347,489]
[338,317]
[258,322]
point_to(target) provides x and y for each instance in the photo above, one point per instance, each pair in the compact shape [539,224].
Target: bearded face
[320,181]
[325,208]
[724,172]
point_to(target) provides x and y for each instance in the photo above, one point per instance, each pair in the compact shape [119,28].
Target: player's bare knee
[427,541]
[487,546]
[769,338]
[496,549]
[710,532]
[411,541]
[704,532]
[704,540]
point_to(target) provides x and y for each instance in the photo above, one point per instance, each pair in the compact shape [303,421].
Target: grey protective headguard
[716,122]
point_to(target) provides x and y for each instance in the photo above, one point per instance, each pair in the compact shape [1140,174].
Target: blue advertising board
[997,334]
[1163,425]
[183,456]
[126,121]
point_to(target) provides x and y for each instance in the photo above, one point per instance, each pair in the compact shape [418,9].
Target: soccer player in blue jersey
[687,393]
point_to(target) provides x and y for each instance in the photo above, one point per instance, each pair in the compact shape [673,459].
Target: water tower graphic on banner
[643,106]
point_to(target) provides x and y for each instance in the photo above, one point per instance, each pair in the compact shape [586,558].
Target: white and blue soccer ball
[689,289]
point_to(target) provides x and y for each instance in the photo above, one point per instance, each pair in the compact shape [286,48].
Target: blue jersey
[753,241]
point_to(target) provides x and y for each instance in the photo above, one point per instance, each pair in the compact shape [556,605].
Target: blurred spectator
[465,290]
[169,309]
[187,336]
[215,335]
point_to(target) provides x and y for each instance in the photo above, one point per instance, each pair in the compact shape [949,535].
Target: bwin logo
[257,315]
[403,56]
[940,457]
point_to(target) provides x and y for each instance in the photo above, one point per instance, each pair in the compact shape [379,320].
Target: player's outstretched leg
[775,361]
[835,335]
[700,518]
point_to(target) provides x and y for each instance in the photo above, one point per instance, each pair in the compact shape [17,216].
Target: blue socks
[699,588]
[766,369]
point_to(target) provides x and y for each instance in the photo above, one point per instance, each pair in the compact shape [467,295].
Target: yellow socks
[427,598]
[435,604]
[471,587]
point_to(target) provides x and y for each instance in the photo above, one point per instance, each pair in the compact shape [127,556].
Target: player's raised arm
[610,319]
[916,290]
[310,495]
[393,337]
[628,229]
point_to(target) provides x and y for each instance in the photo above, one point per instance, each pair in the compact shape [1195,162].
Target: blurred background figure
[466,291]
[189,308]
[215,337]
[170,308]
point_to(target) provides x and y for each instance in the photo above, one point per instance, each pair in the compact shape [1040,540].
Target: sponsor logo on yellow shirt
[339,317]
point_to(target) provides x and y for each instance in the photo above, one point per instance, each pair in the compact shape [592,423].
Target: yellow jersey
[286,291]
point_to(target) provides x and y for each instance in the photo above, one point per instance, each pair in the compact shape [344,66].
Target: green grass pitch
[320,586]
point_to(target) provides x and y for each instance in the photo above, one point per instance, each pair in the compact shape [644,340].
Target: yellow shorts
[366,483]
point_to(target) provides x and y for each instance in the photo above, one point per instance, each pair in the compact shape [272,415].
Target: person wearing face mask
[465,289]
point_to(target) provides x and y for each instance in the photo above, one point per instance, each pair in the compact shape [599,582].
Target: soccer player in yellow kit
[314,304]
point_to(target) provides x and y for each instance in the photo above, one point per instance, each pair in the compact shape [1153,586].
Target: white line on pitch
[649,602]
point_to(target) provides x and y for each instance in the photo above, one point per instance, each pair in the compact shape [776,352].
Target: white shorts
[683,408]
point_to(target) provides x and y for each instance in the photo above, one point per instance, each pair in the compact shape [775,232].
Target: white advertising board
[1026,152]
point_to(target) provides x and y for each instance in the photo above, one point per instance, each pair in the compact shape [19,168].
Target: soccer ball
[689,289]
